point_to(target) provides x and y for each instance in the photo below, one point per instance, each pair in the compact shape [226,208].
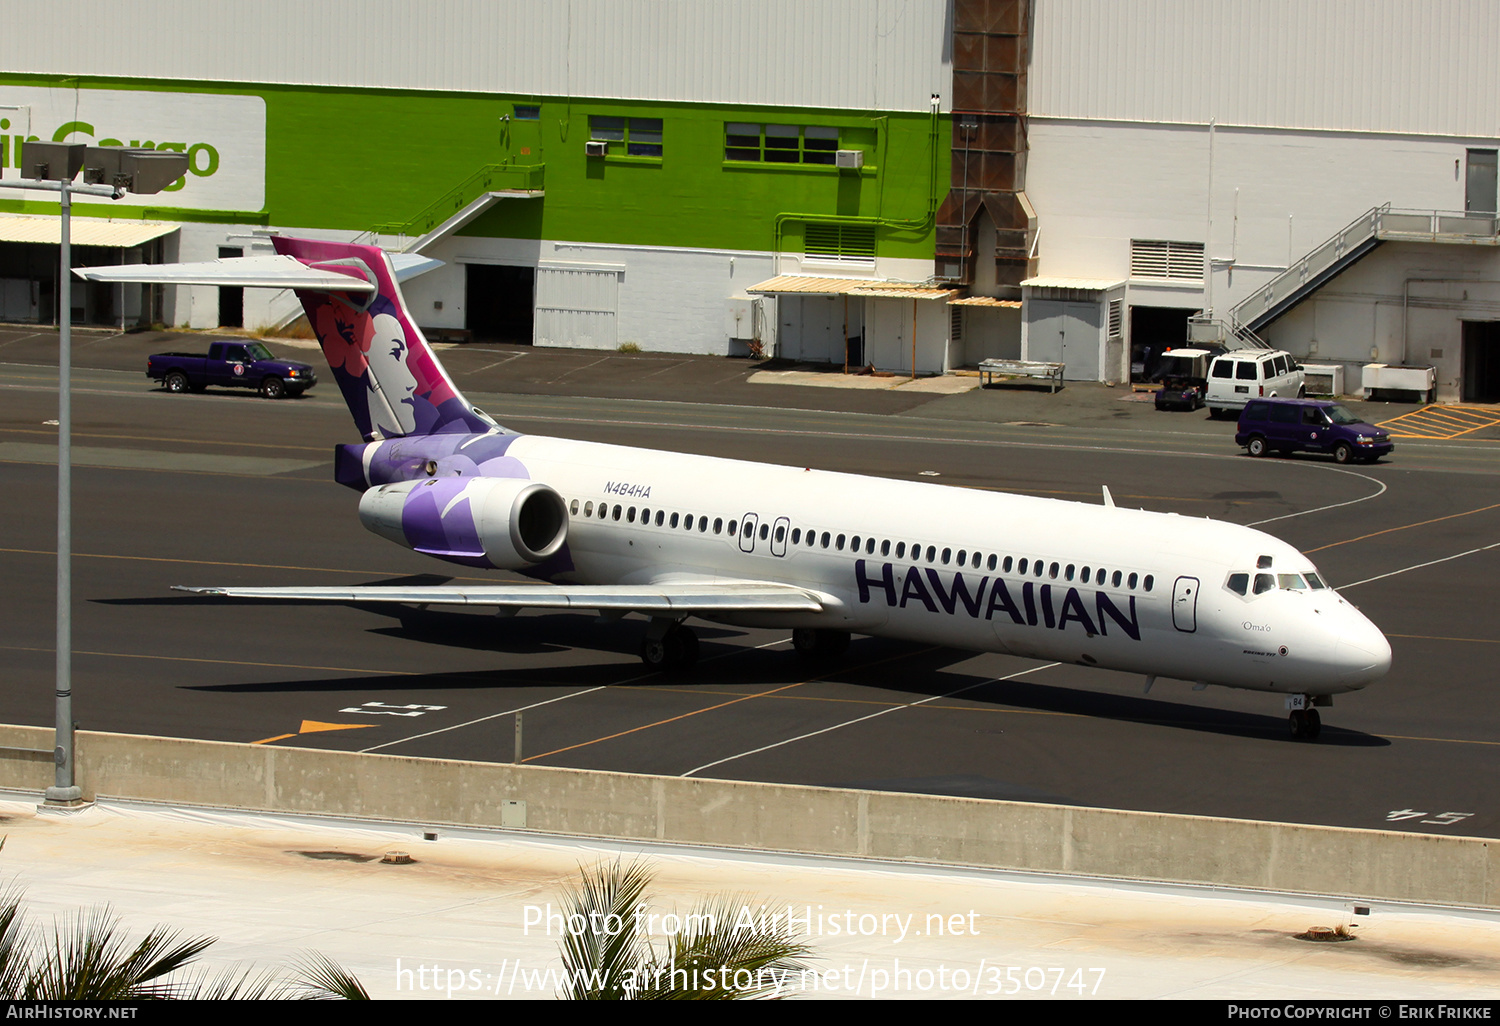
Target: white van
[1245,374]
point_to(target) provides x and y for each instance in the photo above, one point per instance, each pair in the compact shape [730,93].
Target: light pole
[110,172]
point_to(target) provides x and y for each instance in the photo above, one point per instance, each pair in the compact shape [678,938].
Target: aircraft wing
[265,271]
[676,599]
[280,272]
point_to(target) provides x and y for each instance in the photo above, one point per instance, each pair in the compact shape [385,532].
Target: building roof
[1086,284]
[990,301]
[785,284]
[82,231]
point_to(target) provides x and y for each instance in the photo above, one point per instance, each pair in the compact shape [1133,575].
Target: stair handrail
[1357,231]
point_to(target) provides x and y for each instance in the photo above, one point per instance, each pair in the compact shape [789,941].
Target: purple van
[1309,425]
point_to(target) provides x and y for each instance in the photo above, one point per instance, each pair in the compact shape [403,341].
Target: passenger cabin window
[718,525]
[1245,371]
[1223,369]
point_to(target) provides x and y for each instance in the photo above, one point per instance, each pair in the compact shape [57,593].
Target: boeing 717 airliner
[616,529]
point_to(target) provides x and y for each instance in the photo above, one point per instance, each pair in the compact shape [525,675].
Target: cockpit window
[1264,562]
[1291,582]
[1264,583]
[1315,581]
[1238,583]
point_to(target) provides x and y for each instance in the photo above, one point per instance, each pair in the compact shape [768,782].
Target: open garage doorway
[1153,330]
[1481,381]
[500,302]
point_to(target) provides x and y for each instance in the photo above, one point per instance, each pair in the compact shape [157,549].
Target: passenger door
[747,532]
[1185,604]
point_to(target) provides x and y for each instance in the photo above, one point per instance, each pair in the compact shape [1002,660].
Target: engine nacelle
[501,522]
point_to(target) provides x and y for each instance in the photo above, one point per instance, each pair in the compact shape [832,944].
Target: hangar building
[910,184]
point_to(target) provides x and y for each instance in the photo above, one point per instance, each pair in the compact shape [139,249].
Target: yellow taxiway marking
[1435,637]
[722,705]
[1404,527]
[221,662]
[314,727]
[176,441]
[1442,422]
[220,562]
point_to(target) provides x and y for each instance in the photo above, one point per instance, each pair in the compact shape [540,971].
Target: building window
[780,144]
[851,243]
[1176,261]
[640,137]
[1116,316]
[528,112]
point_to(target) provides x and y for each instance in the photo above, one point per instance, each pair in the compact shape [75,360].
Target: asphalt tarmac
[227,488]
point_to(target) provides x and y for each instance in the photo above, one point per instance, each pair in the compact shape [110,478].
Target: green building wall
[360,159]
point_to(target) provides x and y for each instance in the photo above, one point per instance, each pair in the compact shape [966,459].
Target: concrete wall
[963,831]
[1276,194]
[1404,303]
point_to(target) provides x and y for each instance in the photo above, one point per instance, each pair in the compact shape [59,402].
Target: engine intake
[501,522]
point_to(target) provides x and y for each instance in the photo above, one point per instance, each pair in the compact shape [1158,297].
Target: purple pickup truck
[232,365]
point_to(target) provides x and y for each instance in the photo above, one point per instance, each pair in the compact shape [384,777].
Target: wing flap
[653,599]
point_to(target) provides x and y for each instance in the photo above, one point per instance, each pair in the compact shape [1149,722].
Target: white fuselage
[1089,584]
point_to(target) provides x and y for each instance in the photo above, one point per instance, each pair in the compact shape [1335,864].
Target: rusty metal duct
[991,50]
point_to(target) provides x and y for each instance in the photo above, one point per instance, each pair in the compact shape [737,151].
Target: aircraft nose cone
[1363,654]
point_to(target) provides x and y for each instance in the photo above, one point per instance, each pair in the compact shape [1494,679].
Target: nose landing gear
[1303,719]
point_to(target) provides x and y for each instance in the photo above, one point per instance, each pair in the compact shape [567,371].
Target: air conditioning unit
[596,148]
[851,159]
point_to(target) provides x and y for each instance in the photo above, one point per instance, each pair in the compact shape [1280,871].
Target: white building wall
[1276,195]
[852,54]
[1347,65]
[1405,303]
[668,300]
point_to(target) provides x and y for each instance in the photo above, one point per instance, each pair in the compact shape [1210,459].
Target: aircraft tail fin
[391,380]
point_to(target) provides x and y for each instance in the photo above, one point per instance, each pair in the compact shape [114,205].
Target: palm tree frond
[320,978]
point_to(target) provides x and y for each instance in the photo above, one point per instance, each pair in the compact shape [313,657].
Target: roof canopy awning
[987,301]
[82,231]
[792,284]
[1082,284]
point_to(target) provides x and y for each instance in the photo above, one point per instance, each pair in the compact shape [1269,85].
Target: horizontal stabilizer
[274,272]
[707,598]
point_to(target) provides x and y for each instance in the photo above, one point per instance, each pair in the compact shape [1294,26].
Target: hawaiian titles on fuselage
[1051,606]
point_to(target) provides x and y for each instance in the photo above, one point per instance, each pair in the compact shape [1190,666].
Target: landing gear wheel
[176,383]
[1297,721]
[1257,446]
[1343,453]
[1314,723]
[272,388]
[819,645]
[677,649]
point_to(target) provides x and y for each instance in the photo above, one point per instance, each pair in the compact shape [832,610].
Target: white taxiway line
[1419,566]
[1302,513]
[559,698]
[871,716]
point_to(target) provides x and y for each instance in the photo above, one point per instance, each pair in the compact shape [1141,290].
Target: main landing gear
[668,646]
[819,645]
[1303,719]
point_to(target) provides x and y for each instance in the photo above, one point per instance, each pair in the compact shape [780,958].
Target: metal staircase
[1330,258]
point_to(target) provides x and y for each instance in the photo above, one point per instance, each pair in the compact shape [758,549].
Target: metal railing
[489,178]
[1332,251]
[1378,224]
